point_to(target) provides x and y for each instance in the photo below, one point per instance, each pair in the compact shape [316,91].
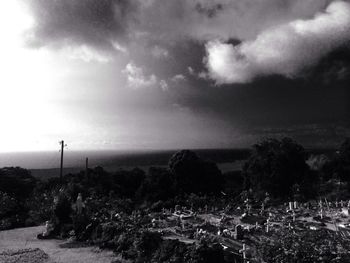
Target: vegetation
[279,168]
[309,246]
[118,205]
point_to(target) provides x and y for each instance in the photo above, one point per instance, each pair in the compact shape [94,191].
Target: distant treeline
[282,168]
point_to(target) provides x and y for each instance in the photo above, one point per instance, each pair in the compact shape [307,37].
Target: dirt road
[57,250]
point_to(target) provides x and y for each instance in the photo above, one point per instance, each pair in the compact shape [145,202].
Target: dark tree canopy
[276,166]
[158,185]
[193,174]
[339,166]
[16,181]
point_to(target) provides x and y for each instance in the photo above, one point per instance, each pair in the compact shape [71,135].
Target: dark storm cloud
[84,22]
[210,11]
[334,68]
[270,36]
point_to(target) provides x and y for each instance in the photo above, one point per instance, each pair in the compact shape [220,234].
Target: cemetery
[237,230]
[165,215]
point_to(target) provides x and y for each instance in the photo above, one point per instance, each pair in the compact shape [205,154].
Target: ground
[24,241]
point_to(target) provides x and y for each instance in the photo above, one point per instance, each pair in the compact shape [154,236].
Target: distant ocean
[227,159]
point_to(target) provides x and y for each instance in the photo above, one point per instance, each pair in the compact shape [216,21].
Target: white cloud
[136,78]
[160,52]
[178,78]
[117,46]
[190,70]
[163,85]
[284,49]
[85,54]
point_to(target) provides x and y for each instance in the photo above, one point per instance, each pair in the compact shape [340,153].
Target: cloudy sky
[160,74]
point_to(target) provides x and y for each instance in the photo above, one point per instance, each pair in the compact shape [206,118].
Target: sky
[164,74]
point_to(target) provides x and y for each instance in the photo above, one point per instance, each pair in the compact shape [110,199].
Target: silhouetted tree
[17,182]
[195,175]
[275,166]
[126,183]
[339,166]
[158,185]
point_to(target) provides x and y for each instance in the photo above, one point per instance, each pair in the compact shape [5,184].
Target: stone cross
[243,251]
[341,203]
[295,204]
[267,225]
[321,213]
[293,216]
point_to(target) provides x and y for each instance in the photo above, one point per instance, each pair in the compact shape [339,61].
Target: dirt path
[58,251]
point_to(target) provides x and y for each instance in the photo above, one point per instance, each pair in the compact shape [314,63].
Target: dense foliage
[339,166]
[308,246]
[279,167]
[195,175]
[118,204]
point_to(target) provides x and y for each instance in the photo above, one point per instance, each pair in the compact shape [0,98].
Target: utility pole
[86,167]
[61,168]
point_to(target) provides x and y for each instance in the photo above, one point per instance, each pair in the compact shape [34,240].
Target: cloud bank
[285,49]
[274,36]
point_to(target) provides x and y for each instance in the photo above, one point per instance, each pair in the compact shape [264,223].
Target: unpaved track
[24,238]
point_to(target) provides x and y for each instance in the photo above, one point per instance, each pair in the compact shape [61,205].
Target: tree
[195,175]
[126,183]
[275,166]
[17,182]
[158,185]
[339,166]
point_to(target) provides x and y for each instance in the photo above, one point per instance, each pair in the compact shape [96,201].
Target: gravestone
[239,234]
